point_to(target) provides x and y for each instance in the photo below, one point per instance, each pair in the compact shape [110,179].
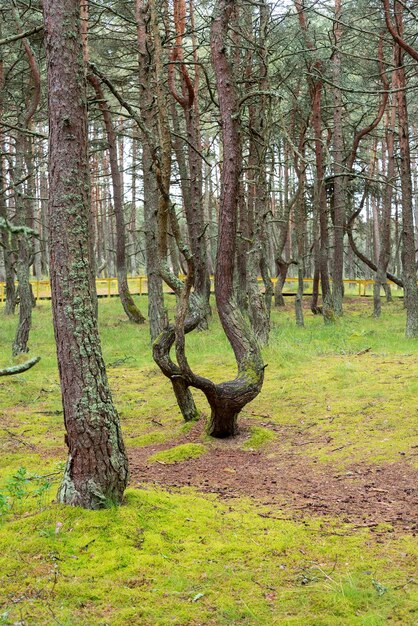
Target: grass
[180,557]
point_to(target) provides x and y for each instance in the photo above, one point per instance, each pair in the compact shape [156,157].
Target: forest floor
[308,517]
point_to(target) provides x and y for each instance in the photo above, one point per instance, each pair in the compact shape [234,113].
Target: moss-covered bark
[96,472]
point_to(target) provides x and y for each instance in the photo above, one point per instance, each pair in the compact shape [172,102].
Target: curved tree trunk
[191,173]
[320,198]
[225,399]
[358,252]
[96,472]
[18,369]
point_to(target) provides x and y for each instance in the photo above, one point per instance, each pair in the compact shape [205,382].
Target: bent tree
[226,399]
[96,472]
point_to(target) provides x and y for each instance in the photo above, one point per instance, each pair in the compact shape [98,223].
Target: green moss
[178,453]
[183,559]
[148,439]
[147,561]
[259,437]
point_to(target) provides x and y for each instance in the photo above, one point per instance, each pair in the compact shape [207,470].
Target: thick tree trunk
[96,473]
[250,365]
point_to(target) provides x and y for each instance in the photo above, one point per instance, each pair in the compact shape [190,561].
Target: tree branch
[18,369]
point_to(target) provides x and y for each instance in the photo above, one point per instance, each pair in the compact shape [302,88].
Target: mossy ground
[178,454]
[180,557]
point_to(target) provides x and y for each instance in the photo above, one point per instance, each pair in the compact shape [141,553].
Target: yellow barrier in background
[138,285]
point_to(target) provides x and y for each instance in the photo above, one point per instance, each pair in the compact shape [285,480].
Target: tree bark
[156,312]
[6,237]
[96,472]
[24,194]
[320,199]
[384,227]
[129,306]
[338,194]
[409,267]
[225,399]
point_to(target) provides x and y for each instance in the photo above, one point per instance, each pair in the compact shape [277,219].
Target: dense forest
[251,165]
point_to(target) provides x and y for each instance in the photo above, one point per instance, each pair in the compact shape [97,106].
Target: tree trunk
[320,198]
[156,312]
[24,194]
[250,366]
[129,306]
[6,237]
[409,268]
[384,229]
[225,399]
[338,195]
[96,472]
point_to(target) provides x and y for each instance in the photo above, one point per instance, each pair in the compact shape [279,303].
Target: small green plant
[4,618]
[381,589]
[21,486]
[4,506]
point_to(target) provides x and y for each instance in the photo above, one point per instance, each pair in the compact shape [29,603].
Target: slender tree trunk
[192,173]
[409,268]
[225,399]
[96,473]
[24,199]
[129,306]
[156,312]
[24,217]
[320,198]
[384,229]
[338,195]
[6,237]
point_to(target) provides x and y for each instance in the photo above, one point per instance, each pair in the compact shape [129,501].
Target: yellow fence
[138,285]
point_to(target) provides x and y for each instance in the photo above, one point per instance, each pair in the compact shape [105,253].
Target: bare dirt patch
[364,495]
